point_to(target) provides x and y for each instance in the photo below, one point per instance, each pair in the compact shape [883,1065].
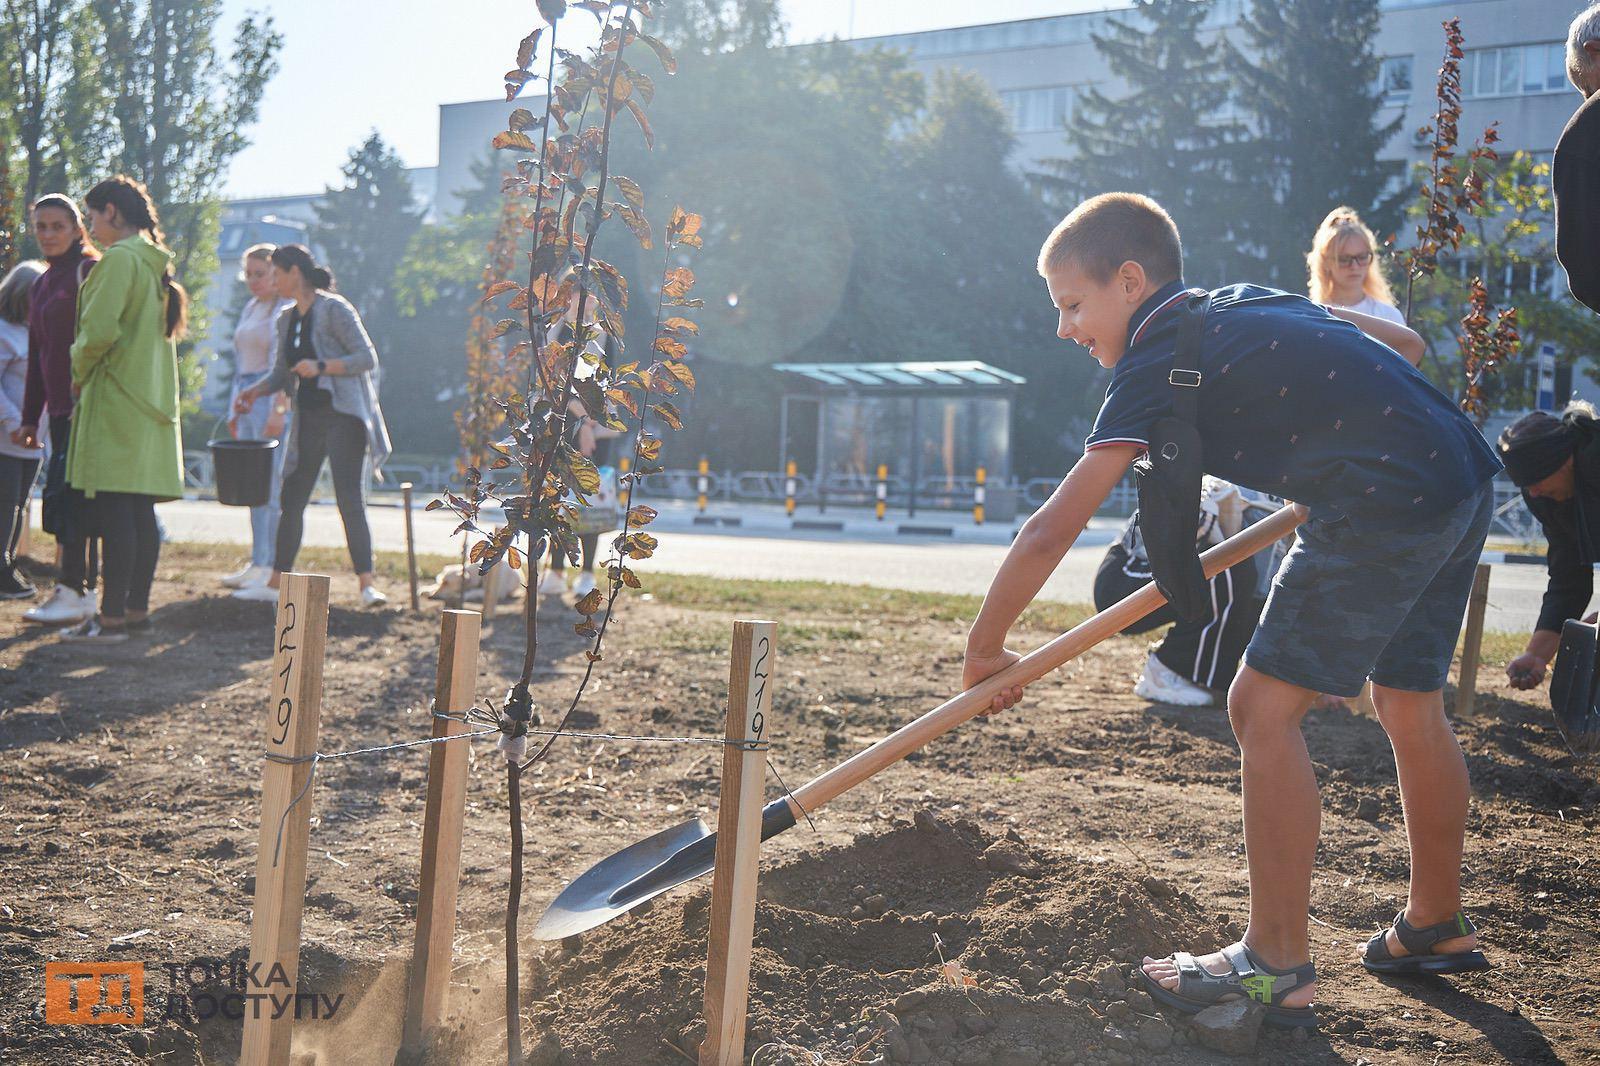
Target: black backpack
[1169,476]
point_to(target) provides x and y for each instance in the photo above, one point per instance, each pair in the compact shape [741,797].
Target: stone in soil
[1231,1028]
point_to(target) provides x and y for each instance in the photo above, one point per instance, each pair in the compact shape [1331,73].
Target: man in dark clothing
[1556,464]
[1575,172]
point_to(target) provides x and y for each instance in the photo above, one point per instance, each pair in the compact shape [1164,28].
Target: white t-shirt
[255,337]
[1375,307]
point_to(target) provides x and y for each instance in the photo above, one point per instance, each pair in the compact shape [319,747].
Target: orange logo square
[94,993]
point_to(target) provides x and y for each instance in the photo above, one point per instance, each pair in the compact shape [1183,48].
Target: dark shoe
[1420,942]
[92,632]
[1248,978]
[137,625]
[13,587]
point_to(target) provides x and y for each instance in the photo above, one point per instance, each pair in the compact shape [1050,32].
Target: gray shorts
[1347,604]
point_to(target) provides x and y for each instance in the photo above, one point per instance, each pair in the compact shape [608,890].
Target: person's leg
[591,550]
[1282,819]
[115,525]
[1113,583]
[274,508]
[16,476]
[146,556]
[1193,650]
[311,447]
[1434,793]
[74,545]
[1408,694]
[347,454]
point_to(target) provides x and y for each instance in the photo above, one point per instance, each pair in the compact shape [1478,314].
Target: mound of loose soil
[848,947]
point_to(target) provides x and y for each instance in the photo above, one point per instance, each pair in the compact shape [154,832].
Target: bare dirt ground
[1047,849]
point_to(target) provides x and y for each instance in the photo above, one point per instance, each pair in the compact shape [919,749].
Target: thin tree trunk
[513,904]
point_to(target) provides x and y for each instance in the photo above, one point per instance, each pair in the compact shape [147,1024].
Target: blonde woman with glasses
[1345,271]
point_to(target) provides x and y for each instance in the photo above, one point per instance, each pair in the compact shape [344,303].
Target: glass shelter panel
[956,435]
[863,431]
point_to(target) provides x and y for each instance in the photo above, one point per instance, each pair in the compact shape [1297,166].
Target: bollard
[978,495]
[702,485]
[788,488]
[883,490]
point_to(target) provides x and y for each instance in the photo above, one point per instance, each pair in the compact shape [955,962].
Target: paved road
[887,561]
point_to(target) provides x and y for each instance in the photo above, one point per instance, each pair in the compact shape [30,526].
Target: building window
[1394,79]
[1517,70]
[1035,110]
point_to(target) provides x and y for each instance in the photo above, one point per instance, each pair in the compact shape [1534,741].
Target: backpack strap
[1185,376]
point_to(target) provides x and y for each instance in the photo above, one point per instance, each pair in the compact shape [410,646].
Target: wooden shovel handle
[1031,667]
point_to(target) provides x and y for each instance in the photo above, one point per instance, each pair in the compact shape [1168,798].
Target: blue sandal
[1420,943]
[1249,978]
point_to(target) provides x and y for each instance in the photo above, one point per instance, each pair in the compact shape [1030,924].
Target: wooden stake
[294,714]
[411,545]
[733,891]
[1472,645]
[441,830]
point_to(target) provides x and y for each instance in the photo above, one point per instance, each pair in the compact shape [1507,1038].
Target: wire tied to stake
[742,745]
[317,756]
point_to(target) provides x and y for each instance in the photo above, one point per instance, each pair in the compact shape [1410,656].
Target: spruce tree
[1166,135]
[1306,74]
[363,228]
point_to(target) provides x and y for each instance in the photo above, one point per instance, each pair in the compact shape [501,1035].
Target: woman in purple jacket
[52,322]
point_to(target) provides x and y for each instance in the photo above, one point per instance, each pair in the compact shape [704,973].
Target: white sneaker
[1161,684]
[372,596]
[238,578]
[64,607]
[260,593]
[554,583]
[255,577]
[584,585]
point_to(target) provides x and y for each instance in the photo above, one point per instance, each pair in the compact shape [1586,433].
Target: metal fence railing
[1512,519]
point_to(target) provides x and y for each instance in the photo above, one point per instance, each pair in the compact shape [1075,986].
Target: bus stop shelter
[933,424]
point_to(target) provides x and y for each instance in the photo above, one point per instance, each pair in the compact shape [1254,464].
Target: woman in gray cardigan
[327,363]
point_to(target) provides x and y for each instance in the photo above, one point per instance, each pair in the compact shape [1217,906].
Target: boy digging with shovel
[1297,403]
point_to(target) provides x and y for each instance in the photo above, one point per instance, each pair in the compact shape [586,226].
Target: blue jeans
[252,425]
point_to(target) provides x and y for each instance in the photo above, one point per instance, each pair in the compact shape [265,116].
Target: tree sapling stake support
[1472,643]
[411,545]
[733,891]
[443,819]
[294,715]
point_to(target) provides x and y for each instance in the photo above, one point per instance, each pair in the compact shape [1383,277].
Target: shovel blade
[594,898]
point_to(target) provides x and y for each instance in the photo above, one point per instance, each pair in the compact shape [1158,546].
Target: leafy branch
[1455,189]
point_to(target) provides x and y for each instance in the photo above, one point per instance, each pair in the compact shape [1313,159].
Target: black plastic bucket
[244,471]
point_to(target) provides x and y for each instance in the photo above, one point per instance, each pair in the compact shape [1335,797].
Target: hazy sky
[350,66]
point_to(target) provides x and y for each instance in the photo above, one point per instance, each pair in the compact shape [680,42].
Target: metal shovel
[675,856]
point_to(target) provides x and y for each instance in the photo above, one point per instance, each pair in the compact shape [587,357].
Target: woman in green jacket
[125,454]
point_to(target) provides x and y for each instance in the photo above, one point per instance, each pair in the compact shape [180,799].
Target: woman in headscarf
[1555,461]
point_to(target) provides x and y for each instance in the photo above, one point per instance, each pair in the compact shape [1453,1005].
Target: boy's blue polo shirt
[1303,405]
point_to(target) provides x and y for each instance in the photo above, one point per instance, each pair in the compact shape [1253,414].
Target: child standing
[1298,403]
